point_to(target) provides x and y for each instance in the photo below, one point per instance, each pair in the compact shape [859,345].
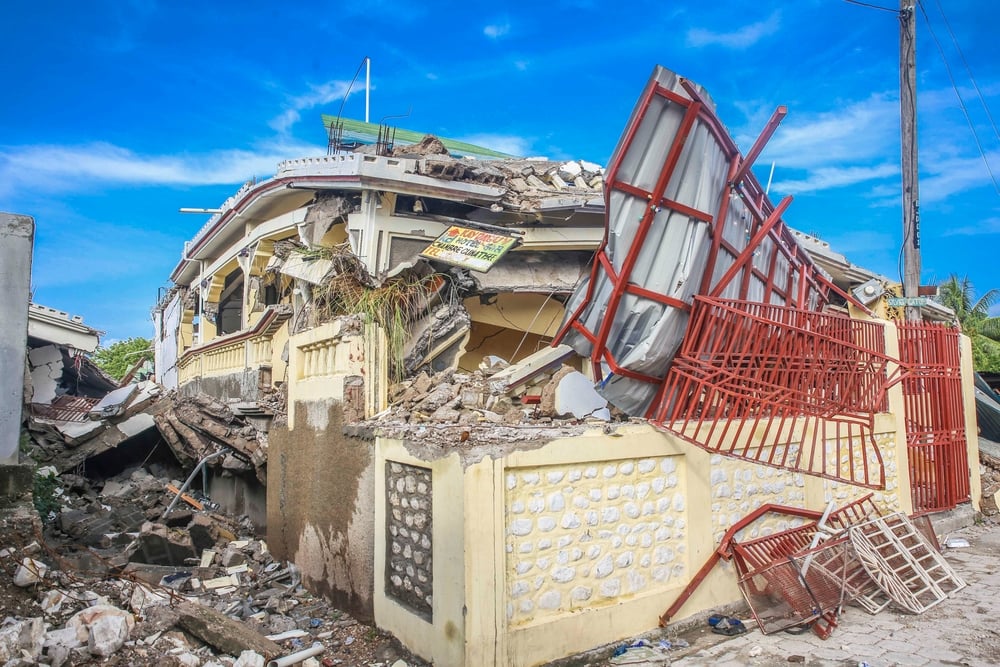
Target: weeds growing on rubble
[392,306]
[43,494]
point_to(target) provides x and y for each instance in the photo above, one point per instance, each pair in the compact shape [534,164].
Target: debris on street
[109,579]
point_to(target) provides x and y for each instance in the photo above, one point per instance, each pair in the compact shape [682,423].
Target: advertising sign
[469,248]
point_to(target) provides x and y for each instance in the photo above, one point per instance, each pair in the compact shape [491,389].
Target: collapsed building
[507,407]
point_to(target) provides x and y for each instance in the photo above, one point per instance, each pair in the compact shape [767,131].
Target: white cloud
[323,93]
[825,178]
[512,145]
[989,226]
[66,168]
[497,30]
[740,38]
[952,176]
[853,133]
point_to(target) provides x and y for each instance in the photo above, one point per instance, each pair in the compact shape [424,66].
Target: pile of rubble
[197,426]
[539,398]
[190,587]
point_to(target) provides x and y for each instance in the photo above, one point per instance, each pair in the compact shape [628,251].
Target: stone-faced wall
[409,576]
[589,535]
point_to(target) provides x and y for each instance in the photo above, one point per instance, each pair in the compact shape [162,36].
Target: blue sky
[118,113]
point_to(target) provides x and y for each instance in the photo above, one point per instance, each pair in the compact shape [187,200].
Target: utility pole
[908,136]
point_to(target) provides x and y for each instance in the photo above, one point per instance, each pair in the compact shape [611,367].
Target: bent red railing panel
[784,387]
[935,417]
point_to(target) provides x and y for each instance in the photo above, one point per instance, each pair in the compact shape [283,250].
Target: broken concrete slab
[136,424]
[222,632]
[546,359]
[21,637]
[574,395]
[113,404]
[29,572]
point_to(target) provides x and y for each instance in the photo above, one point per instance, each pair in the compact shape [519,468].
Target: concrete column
[17,233]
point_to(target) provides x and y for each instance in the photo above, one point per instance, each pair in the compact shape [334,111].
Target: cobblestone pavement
[962,630]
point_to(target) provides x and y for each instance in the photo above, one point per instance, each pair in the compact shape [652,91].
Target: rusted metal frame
[609,359]
[762,233]
[678,411]
[784,240]
[762,139]
[614,299]
[632,288]
[601,261]
[712,121]
[717,228]
[769,287]
[663,202]
[724,551]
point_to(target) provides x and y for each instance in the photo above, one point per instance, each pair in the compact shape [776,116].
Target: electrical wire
[870,6]
[961,102]
[982,100]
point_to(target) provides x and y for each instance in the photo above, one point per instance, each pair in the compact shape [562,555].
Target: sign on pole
[907,301]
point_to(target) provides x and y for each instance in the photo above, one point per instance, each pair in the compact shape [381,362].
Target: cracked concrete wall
[321,504]
[17,233]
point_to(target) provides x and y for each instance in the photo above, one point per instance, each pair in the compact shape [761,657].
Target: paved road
[962,630]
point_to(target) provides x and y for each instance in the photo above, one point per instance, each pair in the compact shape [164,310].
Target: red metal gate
[784,387]
[935,419]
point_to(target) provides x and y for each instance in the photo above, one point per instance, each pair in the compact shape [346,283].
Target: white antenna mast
[770,176]
[368,83]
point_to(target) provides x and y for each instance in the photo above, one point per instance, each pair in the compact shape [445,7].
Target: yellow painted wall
[584,541]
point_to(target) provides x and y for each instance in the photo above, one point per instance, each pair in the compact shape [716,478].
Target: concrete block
[222,632]
[29,572]
[107,634]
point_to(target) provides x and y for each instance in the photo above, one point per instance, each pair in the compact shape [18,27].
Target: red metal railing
[935,419]
[783,387]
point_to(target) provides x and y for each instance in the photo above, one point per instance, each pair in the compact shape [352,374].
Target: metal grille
[935,419]
[798,584]
[783,387]
[65,408]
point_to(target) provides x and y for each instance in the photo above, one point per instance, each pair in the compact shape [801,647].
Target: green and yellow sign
[469,248]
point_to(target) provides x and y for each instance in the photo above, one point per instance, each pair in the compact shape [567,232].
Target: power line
[870,6]
[961,102]
[982,100]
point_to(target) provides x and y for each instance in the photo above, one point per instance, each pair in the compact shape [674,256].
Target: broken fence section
[780,386]
[806,574]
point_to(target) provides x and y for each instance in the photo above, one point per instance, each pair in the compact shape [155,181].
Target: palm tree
[974,318]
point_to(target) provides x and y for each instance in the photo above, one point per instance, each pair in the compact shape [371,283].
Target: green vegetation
[974,317]
[44,494]
[117,358]
[392,306]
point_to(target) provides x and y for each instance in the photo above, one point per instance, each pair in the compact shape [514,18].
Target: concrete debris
[29,572]
[114,403]
[227,603]
[223,633]
[196,426]
[21,638]
[499,403]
